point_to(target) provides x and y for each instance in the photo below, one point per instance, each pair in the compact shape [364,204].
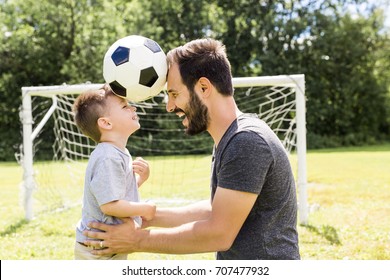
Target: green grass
[352,190]
[348,192]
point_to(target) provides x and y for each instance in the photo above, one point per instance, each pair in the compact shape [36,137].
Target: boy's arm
[175,216]
[124,208]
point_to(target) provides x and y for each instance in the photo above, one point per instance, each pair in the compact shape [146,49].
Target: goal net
[180,165]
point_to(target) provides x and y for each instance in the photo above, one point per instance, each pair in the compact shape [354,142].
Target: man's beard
[197,114]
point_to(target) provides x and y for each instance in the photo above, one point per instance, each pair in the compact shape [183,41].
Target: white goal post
[279,100]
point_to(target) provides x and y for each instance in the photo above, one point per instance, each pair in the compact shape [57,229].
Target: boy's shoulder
[104,150]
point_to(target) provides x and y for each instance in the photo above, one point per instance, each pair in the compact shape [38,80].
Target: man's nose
[170,107]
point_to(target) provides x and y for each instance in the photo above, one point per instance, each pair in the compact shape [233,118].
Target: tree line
[342,47]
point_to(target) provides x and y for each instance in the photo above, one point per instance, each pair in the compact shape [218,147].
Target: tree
[346,101]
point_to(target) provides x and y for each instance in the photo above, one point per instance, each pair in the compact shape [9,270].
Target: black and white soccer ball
[135,67]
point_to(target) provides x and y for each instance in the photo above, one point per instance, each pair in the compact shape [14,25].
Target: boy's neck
[119,143]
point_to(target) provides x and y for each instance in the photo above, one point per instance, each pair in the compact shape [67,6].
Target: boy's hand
[141,168]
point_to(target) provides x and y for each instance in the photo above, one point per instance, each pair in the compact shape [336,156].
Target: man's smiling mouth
[181,114]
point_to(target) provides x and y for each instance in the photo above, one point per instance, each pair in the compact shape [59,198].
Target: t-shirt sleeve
[108,182]
[245,163]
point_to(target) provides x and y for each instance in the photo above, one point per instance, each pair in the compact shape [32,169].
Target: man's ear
[104,123]
[205,86]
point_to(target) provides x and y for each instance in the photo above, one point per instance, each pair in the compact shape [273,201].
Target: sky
[385,4]
[386,7]
[387,14]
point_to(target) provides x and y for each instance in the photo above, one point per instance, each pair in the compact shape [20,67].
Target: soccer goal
[54,153]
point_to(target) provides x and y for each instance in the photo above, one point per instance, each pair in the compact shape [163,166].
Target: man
[252,213]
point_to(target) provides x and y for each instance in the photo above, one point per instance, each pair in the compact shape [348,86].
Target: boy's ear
[104,123]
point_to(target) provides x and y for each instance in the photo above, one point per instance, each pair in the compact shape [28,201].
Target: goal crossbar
[48,91]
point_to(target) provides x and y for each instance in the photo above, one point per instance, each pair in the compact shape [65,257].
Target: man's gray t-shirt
[250,158]
[109,177]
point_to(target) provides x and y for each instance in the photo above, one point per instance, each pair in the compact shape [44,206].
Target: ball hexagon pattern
[135,67]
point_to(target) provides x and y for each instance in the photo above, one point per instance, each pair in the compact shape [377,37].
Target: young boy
[111,179]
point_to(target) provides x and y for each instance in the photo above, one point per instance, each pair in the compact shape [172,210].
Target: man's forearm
[195,237]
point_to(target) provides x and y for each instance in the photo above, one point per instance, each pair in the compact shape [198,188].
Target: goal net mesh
[179,164]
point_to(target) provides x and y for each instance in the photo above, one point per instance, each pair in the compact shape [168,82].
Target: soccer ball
[135,67]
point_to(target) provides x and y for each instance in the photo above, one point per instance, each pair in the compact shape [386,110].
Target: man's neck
[222,116]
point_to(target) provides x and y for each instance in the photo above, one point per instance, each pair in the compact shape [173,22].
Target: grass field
[348,192]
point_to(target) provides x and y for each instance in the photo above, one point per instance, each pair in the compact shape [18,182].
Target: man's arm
[217,232]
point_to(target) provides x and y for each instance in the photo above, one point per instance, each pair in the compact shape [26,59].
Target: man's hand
[114,239]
